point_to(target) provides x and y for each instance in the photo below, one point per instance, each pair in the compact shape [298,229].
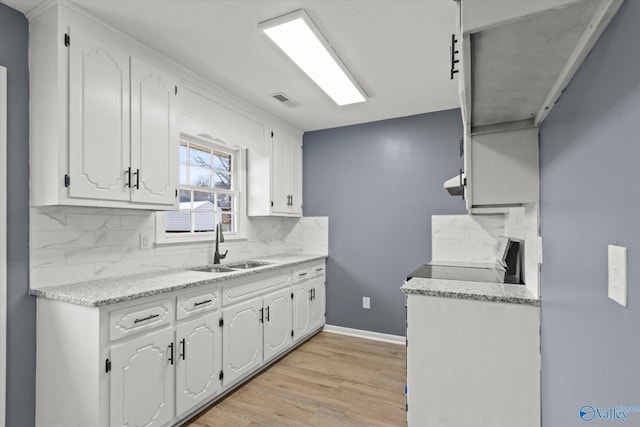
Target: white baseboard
[359,333]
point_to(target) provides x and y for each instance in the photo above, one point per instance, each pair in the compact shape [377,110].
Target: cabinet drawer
[132,320]
[248,289]
[317,270]
[198,302]
[301,273]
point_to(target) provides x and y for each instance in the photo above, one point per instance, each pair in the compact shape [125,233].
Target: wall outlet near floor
[146,241]
[366,302]
[618,274]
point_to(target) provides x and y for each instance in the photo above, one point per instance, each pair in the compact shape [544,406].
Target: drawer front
[132,320]
[239,291]
[198,302]
[317,270]
[301,273]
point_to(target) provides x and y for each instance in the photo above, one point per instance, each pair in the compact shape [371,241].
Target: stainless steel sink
[245,265]
[229,268]
[213,269]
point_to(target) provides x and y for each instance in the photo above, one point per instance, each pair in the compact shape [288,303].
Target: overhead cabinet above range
[103,117]
[516,61]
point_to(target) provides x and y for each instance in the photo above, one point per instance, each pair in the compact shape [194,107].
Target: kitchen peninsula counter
[479,291]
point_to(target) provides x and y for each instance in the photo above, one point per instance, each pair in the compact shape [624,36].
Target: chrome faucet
[219,239]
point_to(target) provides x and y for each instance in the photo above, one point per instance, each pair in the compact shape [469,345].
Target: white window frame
[238,173]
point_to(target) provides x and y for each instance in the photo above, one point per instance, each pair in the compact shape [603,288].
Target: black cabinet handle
[171,353]
[314,293]
[310,294]
[137,174]
[202,302]
[183,348]
[262,315]
[453,52]
[128,173]
[267,313]
[144,319]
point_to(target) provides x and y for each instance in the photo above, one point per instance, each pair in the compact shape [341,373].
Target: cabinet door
[280,172]
[301,309]
[295,178]
[242,339]
[277,322]
[317,304]
[154,135]
[98,119]
[142,387]
[198,361]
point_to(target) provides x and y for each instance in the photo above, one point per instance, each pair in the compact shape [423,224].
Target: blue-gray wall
[21,308]
[590,177]
[379,183]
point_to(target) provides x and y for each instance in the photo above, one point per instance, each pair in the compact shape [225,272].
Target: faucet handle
[223,256]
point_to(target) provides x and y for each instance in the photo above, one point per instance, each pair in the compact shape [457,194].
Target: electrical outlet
[366,302]
[146,241]
[618,274]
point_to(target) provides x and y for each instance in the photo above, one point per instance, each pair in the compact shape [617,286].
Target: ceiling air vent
[281,97]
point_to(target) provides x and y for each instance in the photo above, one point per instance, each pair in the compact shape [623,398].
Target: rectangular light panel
[301,40]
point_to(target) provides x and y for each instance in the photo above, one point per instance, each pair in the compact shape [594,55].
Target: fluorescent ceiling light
[301,40]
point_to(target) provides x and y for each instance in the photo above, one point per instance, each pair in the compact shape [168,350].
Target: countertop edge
[478,291]
[471,296]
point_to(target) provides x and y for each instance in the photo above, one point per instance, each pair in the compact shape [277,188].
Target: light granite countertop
[102,292]
[480,291]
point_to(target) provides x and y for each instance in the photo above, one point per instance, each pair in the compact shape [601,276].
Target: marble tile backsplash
[472,238]
[465,238]
[73,244]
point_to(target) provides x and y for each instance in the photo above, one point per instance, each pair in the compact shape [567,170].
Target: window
[209,190]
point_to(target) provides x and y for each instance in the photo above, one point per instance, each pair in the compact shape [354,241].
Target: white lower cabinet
[141,389]
[155,361]
[255,331]
[242,339]
[301,310]
[277,323]
[198,361]
[308,306]
[472,363]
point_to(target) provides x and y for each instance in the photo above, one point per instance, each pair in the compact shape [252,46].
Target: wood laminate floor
[331,380]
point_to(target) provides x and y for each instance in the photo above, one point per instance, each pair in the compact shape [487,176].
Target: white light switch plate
[618,274]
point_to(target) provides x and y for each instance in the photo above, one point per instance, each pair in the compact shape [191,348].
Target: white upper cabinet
[154,134]
[503,168]
[99,138]
[287,173]
[103,118]
[274,183]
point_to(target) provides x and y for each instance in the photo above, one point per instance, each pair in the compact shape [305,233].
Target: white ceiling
[398,50]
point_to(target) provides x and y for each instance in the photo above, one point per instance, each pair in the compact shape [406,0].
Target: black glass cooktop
[459,272]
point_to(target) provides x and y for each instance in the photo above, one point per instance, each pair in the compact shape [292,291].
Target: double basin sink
[231,267]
